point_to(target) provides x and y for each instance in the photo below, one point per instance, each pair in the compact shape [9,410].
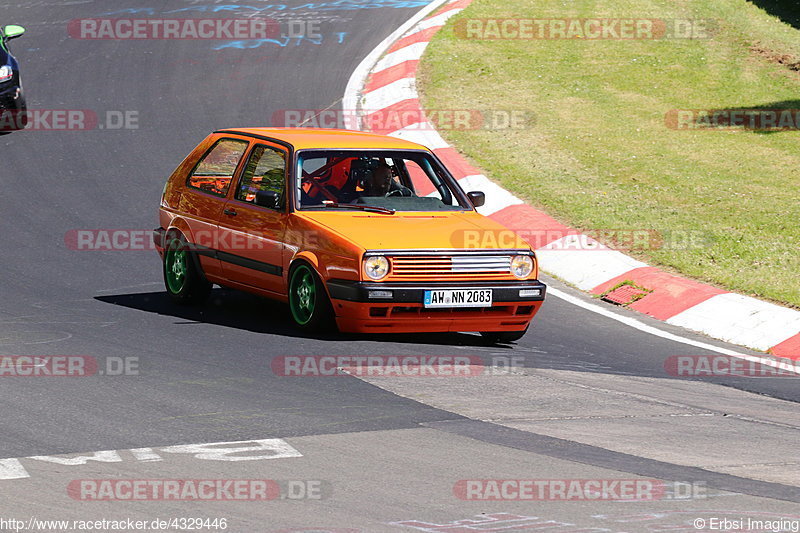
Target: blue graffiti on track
[283,42]
[339,5]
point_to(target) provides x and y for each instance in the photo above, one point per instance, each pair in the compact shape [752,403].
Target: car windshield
[391,180]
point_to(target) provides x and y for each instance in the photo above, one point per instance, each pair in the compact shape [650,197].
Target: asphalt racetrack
[590,399]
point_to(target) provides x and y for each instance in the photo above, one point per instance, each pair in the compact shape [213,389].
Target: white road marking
[740,320]
[397,91]
[359,76]
[412,52]
[146,455]
[632,322]
[584,262]
[105,456]
[264,449]
[12,469]
[421,133]
[438,20]
[244,450]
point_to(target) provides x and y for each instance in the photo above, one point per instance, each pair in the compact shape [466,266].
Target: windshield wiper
[362,207]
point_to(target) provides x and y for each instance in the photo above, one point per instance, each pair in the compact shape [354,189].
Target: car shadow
[787,11]
[781,104]
[243,311]
[240,310]
[793,105]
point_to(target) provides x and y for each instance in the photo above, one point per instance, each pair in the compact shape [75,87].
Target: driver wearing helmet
[381,183]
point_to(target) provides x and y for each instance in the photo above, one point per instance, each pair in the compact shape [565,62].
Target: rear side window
[213,174]
[265,171]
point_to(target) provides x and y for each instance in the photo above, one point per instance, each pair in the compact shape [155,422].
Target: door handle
[229,212]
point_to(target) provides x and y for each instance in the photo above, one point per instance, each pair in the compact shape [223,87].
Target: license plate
[459,298]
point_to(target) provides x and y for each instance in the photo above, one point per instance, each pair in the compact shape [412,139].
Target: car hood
[415,230]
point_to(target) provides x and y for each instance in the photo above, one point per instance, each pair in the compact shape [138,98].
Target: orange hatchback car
[365,232]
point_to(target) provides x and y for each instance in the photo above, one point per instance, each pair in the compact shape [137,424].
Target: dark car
[11,95]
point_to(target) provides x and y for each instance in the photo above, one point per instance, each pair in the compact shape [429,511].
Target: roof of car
[302,138]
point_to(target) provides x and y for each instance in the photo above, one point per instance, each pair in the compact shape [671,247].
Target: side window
[265,171]
[215,171]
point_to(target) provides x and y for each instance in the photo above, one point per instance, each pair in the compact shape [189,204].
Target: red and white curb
[385,83]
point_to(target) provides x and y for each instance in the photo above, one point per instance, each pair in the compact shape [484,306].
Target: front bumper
[404,312]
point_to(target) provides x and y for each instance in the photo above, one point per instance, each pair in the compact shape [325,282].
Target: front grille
[475,312]
[450,267]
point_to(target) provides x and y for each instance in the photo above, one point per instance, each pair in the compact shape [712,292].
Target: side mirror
[477,198]
[12,31]
[269,199]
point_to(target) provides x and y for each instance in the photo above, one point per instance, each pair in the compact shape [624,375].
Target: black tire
[183,279]
[309,305]
[22,110]
[13,119]
[503,337]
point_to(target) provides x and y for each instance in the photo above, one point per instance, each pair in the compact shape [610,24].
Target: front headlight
[521,266]
[6,73]
[376,267]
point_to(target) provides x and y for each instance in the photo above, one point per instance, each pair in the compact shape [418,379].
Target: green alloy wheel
[303,295]
[185,283]
[175,265]
[308,301]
